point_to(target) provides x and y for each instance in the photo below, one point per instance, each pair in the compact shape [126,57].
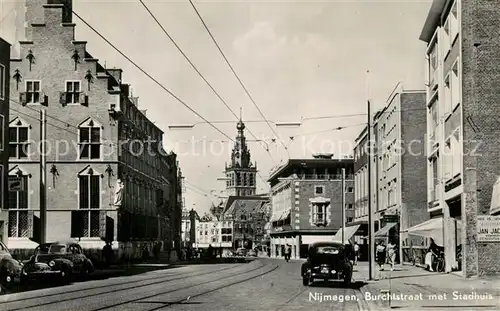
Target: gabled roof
[245,206]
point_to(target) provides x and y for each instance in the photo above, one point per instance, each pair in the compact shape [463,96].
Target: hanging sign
[15,184]
[488,228]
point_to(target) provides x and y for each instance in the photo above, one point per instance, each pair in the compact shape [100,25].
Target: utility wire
[236,75]
[150,76]
[198,72]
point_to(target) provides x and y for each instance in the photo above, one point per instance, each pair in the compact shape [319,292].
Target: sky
[297,59]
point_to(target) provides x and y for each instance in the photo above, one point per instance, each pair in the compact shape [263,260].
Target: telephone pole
[43,175]
[343,206]
[371,227]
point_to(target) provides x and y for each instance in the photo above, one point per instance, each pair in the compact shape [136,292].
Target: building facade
[190,221]
[111,180]
[213,232]
[361,185]
[401,167]
[241,172]
[249,217]
[4,146]
[306,198]
[463,133]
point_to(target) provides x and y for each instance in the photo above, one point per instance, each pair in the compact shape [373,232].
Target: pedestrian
[288,252]
[156,250]
[391,252]
[107,254]
[380,255]
[356,253]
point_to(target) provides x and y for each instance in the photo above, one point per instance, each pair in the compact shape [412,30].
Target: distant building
[249,218]
[213,232]
[306,199]
[4,146]
[241,172]
[190,221]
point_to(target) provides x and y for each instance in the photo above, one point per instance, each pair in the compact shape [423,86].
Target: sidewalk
[413,288]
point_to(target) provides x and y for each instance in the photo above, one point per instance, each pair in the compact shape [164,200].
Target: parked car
[241,252]
[61,260]
[10,268]
[252,253]
[327,261]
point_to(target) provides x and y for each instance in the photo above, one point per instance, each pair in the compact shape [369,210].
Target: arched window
[19,139]
[89,140]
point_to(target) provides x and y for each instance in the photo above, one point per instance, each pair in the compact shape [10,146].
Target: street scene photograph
[249,155]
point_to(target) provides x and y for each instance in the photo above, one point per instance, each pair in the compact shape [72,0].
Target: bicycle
[440,264]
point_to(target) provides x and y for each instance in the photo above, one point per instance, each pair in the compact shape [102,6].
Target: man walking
[288,252]
[356,253]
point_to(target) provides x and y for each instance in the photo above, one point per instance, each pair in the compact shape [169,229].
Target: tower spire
[241,112]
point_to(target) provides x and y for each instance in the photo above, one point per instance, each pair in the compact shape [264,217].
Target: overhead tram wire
[200,74]
[237,77]
[151,77]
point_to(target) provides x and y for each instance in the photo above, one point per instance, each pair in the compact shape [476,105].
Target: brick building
[306,199]
[463,102]
[400,177]
[4,146]
[95,132]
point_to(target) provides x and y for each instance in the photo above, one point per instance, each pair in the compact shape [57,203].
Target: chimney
[125,89]
[116,73]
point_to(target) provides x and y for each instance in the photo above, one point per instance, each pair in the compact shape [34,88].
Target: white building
[217,233]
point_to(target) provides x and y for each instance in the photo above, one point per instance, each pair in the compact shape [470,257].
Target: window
[90,202]
[2,82]
[447,160]
[455,87]
[18,211]
[18,139]
[350,189]
[350,219]
[447,35]
[72,92]
[447,95]
[349,206]
[33,92]
[89,140]
[454,26]
[457,148]
[319,189]
[434,120]
[319,216]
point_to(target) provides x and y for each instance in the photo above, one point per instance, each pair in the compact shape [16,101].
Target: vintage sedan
[327,261]
[10,268]
[61,260]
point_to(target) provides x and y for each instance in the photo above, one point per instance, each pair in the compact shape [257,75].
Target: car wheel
[305,281]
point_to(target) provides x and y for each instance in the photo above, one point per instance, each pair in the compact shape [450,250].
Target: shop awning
[348,233]
[311,239]
[275,217]
[433,228]
[384,232]
[495,198]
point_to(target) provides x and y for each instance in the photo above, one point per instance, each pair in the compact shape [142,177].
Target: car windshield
[57,249]
[332,250]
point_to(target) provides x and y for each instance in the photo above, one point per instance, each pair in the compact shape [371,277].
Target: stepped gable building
[241,172]
[90,108]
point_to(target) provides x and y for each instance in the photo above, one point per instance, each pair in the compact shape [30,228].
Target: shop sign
[390,218]
[488,228]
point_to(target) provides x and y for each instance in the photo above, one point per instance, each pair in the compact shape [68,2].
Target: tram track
[126,286]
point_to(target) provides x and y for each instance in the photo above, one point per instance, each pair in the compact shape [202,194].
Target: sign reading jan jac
[488,228]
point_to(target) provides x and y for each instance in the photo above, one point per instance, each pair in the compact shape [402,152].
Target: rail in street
[264,284]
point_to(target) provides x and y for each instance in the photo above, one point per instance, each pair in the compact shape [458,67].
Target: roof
[432,20]
[323,163]
[245,206]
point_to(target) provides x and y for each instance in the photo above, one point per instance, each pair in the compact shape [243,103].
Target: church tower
[241,173]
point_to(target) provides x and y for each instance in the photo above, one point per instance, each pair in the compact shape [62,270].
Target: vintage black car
[10,268]
[61,260]
[327,261]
